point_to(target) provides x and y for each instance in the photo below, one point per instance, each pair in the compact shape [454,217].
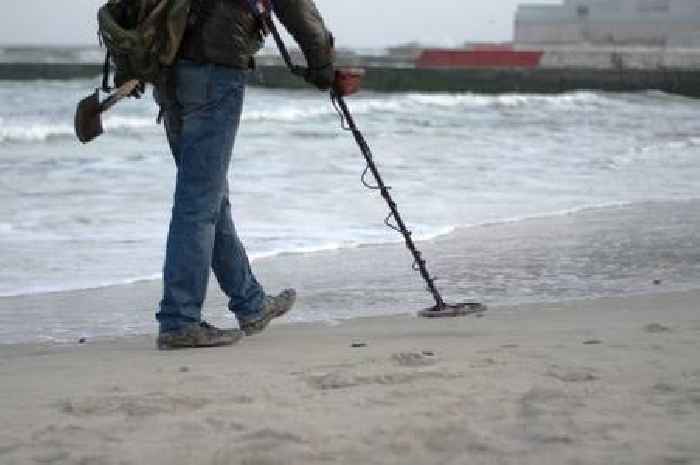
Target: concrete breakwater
[409,79]
[540,80]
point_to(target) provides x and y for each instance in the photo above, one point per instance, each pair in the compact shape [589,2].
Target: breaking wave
[35,132]
[20,131]
[470,100]
[44,131]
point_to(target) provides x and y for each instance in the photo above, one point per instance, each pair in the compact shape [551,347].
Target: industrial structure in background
[650,23]
[612,45]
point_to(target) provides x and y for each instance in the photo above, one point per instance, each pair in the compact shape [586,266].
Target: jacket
[226,32]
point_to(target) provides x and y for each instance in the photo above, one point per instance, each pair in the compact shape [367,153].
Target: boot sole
[237,336]
[265,322]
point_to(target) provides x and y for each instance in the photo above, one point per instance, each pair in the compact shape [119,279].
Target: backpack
[142,37]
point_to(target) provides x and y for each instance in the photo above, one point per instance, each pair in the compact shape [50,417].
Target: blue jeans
[201,121]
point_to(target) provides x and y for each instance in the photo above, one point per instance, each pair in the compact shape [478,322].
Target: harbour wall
[539,80]
[557,73]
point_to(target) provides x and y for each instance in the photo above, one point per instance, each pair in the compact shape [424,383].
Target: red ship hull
[491,57]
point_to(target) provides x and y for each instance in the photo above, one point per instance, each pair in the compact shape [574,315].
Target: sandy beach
[613,380]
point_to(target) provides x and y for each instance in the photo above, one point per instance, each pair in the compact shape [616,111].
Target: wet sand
[613,380]
[603,252]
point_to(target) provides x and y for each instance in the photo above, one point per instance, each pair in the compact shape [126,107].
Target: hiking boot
[198,335]
[273,307]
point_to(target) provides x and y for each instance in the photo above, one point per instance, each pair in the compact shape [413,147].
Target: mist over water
[74,216]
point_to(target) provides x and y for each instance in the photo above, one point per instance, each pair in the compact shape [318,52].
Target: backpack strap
[105,74]
[263,9]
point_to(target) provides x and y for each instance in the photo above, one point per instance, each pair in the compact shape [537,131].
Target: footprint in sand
[341,380]
[51,457]
[677,397]
[272,436]
[664,388]
[677,461]
[655,328]
[132,405]
[4,450]
[407,359]
[262,447]
[547,416]
[572,375]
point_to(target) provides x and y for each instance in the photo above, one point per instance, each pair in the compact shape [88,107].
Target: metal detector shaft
[295,69]
[384,189]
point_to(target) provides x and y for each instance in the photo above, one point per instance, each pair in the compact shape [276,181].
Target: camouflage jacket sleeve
[304,22]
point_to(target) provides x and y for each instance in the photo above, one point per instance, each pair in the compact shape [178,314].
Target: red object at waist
[496,58]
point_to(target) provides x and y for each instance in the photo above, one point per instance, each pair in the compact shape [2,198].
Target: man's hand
[138,91]
[322,78]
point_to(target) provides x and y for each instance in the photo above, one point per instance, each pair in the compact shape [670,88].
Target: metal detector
[347,82]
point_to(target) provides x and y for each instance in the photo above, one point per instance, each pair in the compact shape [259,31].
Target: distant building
[657,23]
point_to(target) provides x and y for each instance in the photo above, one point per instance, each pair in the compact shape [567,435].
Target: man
[202,106]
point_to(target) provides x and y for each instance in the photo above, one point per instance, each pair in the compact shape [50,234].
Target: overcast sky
[363,23]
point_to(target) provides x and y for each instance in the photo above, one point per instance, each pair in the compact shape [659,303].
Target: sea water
[78,216]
